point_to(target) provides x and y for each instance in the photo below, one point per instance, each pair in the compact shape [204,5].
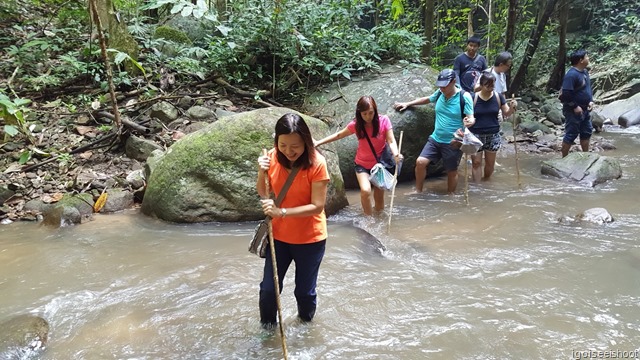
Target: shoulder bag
[379,175]
[260,241]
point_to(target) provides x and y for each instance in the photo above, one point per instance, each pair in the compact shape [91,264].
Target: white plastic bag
[470,143]
[381,178]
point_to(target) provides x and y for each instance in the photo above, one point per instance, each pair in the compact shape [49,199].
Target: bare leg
[489,163]
[421,172]
[378,199]
[584,143]
[365,192]
[565,149]
[476,171]
[452,181]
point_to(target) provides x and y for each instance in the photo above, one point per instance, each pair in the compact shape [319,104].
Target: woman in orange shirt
[299,224]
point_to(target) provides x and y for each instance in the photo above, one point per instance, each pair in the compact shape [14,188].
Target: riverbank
[78,153]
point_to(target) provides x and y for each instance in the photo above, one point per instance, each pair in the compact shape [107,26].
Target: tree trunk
[119,37]
[429,9]
[555,79]
[221,9]
[512,17]
[532,46]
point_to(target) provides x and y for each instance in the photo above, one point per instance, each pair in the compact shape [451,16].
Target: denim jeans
[307,258]
[576,125]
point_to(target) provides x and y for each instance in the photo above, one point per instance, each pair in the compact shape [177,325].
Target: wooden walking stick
[274,265]
[466,178]
[393,191]
[515,146]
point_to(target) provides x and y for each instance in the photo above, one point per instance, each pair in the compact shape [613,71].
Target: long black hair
[366,103]
[293,123]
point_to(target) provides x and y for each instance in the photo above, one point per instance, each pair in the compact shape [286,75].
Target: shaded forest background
[54,56]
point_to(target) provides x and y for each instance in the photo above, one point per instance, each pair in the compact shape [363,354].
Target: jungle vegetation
[72,53]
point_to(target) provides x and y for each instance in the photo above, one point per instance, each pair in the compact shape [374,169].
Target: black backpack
[462,101]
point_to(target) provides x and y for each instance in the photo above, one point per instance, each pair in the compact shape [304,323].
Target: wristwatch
[283,211]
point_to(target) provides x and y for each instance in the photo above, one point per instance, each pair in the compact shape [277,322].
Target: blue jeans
[307,258]
[576,125]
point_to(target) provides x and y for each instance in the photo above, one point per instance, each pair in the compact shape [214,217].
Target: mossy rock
[210,175]
[172,34]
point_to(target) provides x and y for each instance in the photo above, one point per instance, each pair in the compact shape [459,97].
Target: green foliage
[121,57]
[317,41]
[13,114]
[399,43]
[183,7]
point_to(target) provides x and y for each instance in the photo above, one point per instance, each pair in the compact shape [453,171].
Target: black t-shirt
[486,114]
[468,70]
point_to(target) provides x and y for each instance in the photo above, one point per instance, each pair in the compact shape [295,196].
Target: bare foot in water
[413,192]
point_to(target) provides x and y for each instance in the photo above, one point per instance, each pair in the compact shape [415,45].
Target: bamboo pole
[393,191]
[274,265]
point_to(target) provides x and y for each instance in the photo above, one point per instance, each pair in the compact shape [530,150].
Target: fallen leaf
[224,102]
[13,168]
[83,129]
[100,202]
[95,105]
[177,135]
[86,155]
[48,199]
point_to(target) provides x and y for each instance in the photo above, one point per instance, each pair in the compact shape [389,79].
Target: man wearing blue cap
[454,109]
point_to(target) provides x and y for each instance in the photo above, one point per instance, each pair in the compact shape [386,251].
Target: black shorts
[434,151]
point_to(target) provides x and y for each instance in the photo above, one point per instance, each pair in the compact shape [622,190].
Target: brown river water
[499,278]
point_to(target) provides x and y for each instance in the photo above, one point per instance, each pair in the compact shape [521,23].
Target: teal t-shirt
[448,117]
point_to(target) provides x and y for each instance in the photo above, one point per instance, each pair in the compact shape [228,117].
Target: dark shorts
[361,169]
[490,142]
[576,125]
[434,151]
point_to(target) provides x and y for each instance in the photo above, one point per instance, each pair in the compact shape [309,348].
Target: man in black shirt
[469,65]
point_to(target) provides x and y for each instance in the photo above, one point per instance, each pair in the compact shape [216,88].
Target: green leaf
[120,57]
[11,130]
[177,8]
[24,157]
[187,10]
[223,29]
[198,12]
[137,64]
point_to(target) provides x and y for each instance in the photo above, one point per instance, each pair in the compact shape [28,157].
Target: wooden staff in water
[393,191]
[515,145]
[274,264]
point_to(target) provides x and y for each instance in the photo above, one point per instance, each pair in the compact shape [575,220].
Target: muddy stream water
[499,278]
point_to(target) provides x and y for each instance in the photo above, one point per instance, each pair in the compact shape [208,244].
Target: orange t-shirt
[298,230]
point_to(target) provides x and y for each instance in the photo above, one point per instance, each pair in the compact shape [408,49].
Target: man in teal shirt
[449,118]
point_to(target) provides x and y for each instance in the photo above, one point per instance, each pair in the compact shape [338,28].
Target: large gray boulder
[337,105]
[630,118]
[587,168]
[615,109]
[210,175]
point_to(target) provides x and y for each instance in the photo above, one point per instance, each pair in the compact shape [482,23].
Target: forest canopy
[282,48]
